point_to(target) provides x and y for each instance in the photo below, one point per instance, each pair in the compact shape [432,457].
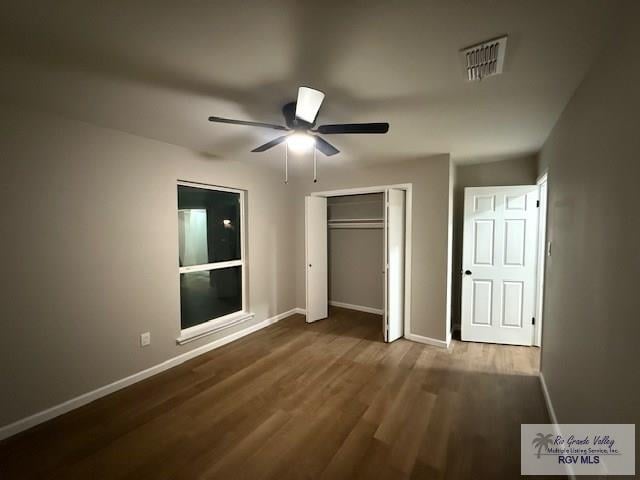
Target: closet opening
[356,254]
[357,245]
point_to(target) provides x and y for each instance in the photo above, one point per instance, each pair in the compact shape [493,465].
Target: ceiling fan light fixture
[300,126]
[301,142]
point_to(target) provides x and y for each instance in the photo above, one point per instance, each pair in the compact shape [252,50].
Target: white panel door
[316,258]
[499,264]
[394,256]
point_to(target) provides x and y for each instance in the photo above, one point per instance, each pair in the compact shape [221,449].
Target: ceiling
[159,69]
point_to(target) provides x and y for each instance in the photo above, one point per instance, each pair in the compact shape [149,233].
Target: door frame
[407,187]
[540,259]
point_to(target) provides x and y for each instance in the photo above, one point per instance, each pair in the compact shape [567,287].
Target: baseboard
[299,311]
[547,399]
[553,418]
[428,340]
[360,308]
[62,408]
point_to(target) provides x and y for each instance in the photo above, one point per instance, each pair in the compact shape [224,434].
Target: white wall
[592,307]
[90,254]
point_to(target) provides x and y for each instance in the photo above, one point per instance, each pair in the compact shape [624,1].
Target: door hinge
[533,320]
[537,203]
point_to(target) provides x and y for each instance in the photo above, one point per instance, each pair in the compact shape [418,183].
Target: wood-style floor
[327,400]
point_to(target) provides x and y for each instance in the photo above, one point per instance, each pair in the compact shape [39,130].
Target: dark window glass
[209,294]
[208,226]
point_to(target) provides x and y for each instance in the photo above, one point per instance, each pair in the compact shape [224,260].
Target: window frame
[219,323]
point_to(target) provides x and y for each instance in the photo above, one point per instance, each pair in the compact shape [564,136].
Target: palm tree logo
[542,441]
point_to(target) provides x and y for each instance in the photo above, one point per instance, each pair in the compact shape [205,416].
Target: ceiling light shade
[300,142]
[308,104]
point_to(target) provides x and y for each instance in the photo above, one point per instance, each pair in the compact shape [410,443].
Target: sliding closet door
[394,261]
[316,258]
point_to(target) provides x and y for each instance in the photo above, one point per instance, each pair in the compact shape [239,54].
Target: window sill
[212,326]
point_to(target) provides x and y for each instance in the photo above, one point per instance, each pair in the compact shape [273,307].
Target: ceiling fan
[300,119]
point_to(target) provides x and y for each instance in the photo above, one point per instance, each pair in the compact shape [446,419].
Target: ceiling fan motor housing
[289,113]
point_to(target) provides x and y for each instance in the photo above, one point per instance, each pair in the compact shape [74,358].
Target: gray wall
[430,260]
[355,267]
[90,254]
[368,205]
[592,307]
[518,171]
[356,255]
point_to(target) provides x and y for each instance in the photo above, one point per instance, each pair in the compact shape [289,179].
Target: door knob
[467,272]
[309,264]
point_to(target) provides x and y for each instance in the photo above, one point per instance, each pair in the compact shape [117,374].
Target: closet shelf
[343,226]
[355,220]
[357,223]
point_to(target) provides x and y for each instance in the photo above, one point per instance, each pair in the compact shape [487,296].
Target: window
[211,255]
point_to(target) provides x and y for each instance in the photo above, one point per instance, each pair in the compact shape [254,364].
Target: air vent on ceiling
[485,59]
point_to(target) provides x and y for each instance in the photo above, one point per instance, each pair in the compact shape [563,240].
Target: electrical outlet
[145,339]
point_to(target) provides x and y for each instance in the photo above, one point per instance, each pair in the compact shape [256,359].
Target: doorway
[357,246]
[356,252]
[500,264]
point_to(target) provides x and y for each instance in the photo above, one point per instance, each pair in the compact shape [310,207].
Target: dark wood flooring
[328,400]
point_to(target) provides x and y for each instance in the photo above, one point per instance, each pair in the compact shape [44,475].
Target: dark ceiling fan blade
[289,113]
[354,128]
[325,147]
[308,104]
[249,124]
[271,144]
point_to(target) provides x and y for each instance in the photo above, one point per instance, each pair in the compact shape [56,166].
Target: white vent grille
[485,59]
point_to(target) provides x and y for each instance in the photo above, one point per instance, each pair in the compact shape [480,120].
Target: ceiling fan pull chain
[286,163]
[315,165]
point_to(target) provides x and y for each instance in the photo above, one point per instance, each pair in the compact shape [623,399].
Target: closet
[356,252]
[357,245]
